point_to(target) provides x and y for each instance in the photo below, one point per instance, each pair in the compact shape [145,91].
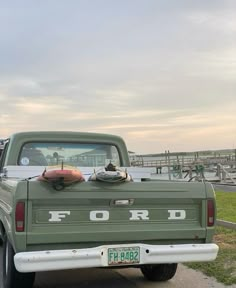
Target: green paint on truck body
[90,216]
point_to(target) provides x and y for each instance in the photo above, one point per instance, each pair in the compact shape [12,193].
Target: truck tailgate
[95,212]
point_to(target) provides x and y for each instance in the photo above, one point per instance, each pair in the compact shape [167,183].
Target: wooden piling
[169,172]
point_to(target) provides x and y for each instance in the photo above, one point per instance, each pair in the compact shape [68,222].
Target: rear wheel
[1,233]
[11,278]
[159,272]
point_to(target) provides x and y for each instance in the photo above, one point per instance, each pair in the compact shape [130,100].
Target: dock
[220,169]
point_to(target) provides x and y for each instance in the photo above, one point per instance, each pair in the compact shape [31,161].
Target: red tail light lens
[210,213]
[20,217]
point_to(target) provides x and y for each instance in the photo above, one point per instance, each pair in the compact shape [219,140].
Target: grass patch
[224,267]
[226,203]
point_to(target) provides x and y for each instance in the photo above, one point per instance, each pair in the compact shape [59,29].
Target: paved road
[225,188]
[125,278]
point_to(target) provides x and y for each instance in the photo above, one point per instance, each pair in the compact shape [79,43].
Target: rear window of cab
[73,154]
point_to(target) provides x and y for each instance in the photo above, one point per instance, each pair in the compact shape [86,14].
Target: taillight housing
[210,213]
[20,217]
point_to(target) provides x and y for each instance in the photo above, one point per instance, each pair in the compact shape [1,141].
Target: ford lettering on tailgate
[104,215]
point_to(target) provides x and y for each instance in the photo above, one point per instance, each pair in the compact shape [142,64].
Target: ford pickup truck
[107,215]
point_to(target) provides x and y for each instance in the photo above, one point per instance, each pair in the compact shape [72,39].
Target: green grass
[226,205]
[224,267]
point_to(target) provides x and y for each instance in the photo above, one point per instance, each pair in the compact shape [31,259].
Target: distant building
[90,159]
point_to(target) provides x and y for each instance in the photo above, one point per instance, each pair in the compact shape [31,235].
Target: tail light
[210,213]
[20,217]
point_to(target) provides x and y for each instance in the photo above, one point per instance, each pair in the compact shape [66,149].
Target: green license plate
[123,255]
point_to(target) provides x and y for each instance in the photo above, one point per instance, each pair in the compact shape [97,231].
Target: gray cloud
[142,70]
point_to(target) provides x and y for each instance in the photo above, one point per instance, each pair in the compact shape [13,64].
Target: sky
[161,74]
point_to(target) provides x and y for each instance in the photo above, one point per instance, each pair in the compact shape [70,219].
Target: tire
[1,233]
[159,272]
[11,278]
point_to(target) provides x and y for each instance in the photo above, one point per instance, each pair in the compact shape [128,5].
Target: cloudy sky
[161,74]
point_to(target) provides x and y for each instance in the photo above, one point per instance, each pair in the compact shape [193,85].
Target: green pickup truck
[112,215]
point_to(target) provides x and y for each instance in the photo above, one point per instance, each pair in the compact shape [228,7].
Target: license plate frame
[123,256]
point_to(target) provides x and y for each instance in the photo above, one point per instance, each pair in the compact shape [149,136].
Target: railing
[183,162]
[194,168]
